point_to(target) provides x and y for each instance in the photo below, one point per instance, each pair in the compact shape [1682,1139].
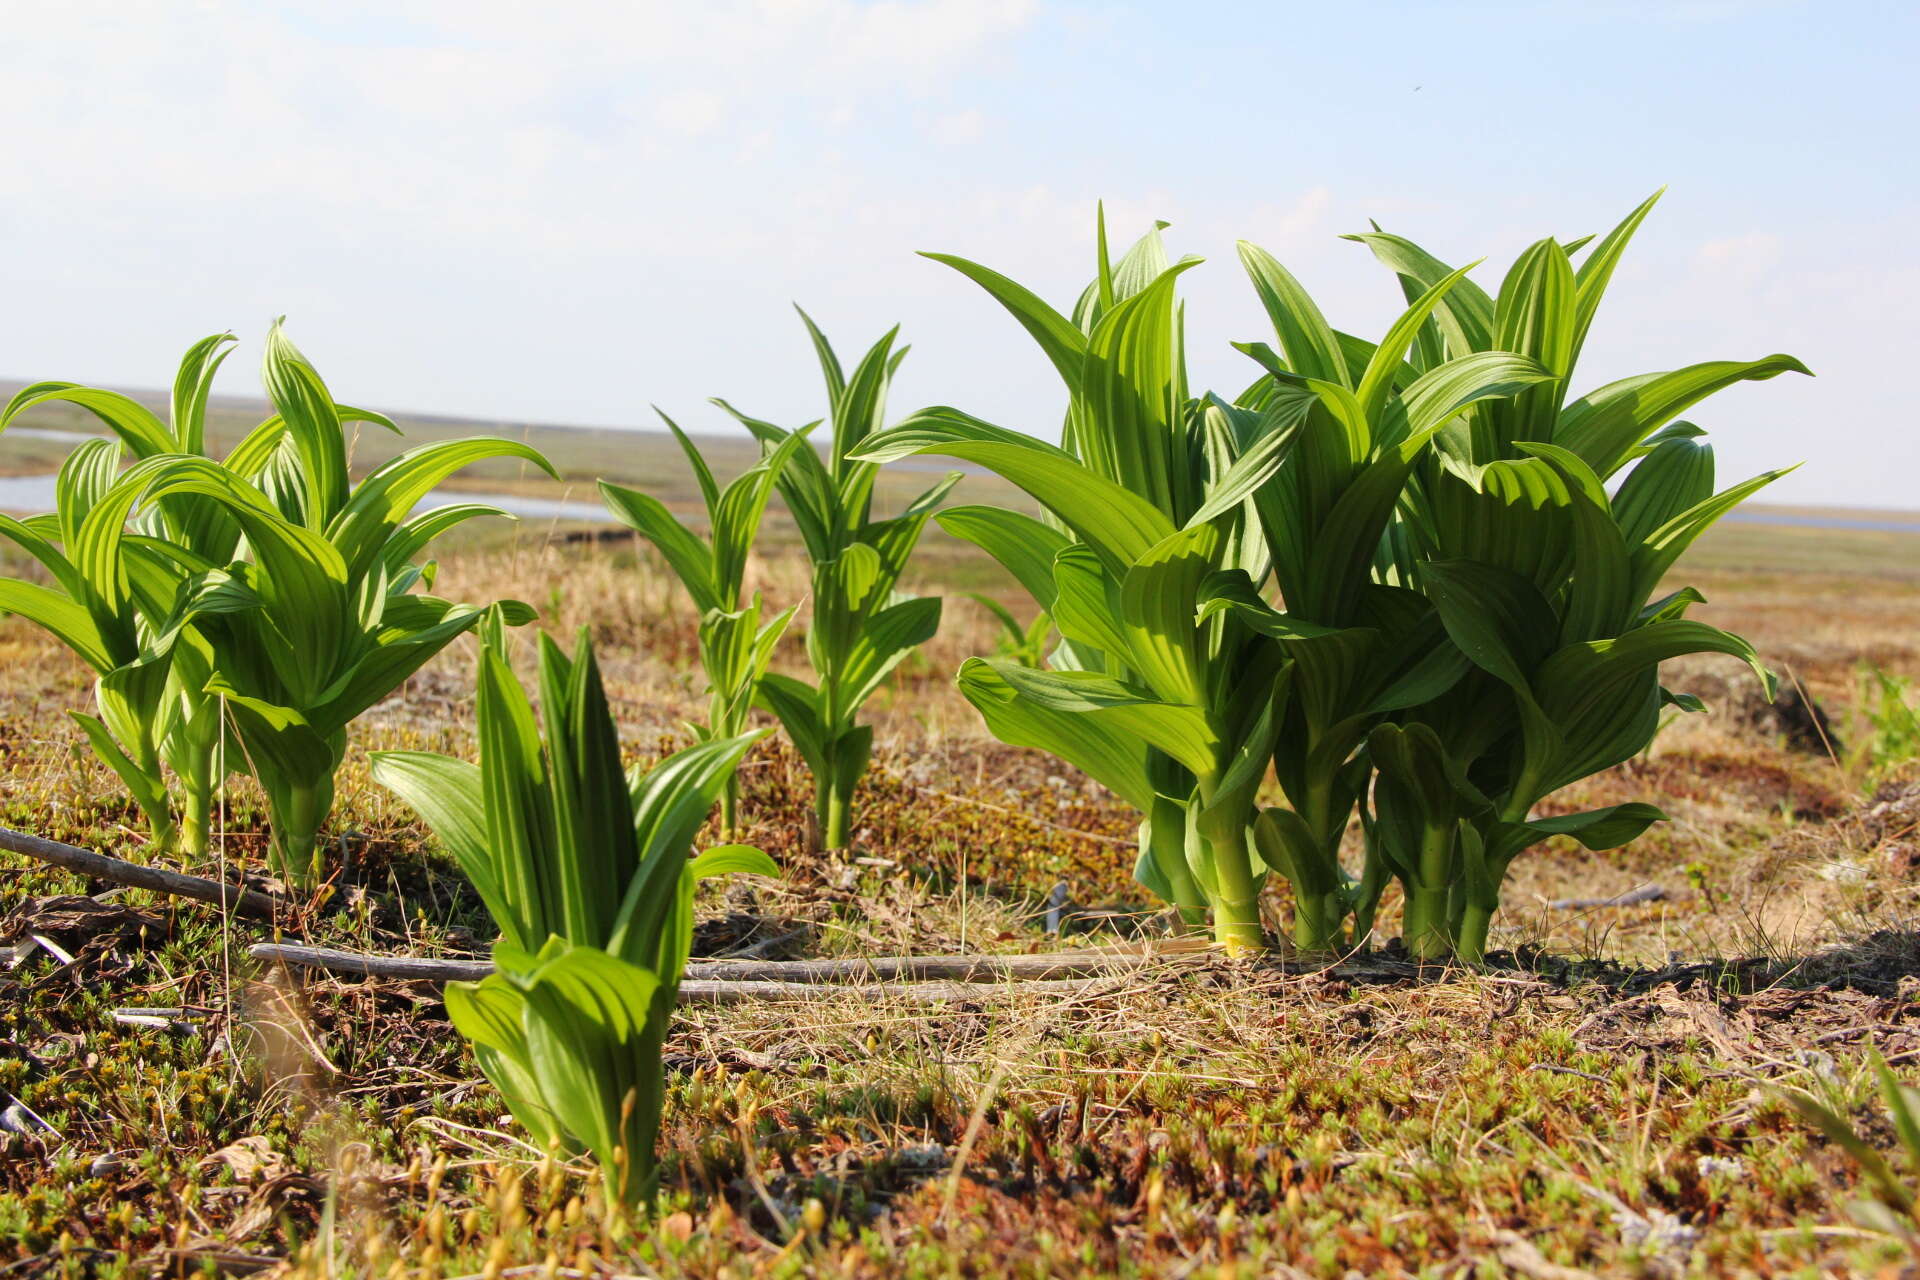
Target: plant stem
[196,804]
[296,851]
[1236,913]
[730,808]
[1470,943]
[1424,927]
[831,810]
[1316,920]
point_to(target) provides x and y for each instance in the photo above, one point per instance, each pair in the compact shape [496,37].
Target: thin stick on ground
[101,866]
[866,969]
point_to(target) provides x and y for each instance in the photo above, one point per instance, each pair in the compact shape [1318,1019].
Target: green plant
[862,626]
[93,607]
[735,645]
[1026,645]
[1893,1206]
[1176,681]
[1543,579]
[1886,700]
[117,592]
[316,619]
[1395,496]
[586,872]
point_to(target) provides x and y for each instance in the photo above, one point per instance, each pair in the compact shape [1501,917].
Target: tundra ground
[1604,1098]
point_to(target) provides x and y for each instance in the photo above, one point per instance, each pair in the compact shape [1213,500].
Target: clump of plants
[585,870]
[260,598]
[735,643]
[1392,570]
[862,625]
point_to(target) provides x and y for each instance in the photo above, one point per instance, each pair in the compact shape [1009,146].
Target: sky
[570,211]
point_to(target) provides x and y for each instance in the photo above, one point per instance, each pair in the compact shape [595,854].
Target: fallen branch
[246,902]
[871,972]
[692,991]
[1631,898]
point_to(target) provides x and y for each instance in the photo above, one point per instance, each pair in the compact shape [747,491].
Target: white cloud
[957,128]
[1744,256]
[693,112]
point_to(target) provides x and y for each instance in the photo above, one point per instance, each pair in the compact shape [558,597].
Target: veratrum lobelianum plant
[1541,528]
[117,592]
[862,626]
[311,617]
[1175,681]
[1025,645]
[735,644]
[587,874]
[1179,676]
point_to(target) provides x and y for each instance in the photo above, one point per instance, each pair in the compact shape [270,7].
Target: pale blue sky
[565,212]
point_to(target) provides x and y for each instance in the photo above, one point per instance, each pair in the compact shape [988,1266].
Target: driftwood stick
[695,991]
[692,991]
[246,902]
[1631,898]
[870,973]
[413,968]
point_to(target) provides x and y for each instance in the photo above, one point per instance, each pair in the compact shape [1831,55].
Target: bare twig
[868,970]
[247,902]
[692,991]
[704,992]
[1631,898]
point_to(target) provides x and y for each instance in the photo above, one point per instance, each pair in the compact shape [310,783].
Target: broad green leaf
[1118,524]
[1133,398]
[1673,476]
[1464,318]
[691,559]
[798,709]
[447,793]
[1596,270]
[1024,546]
[1106,751]
[1159,601]
[733,859]
[1604,426]
[126,417]
[1386,365]
[387,497]
[1306,337]
[1064,345]
[1181,731]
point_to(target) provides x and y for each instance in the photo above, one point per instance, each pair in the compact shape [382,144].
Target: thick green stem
[1236,912]
[296,839]
[730,808]
[196,803]
[831,810]
[1424,927]
[1317,918]
[164,831]
[156,805]
[1470,942]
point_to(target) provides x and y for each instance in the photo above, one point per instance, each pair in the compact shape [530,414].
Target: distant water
[35,493]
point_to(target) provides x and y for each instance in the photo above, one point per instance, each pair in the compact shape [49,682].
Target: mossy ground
[1602,1099]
